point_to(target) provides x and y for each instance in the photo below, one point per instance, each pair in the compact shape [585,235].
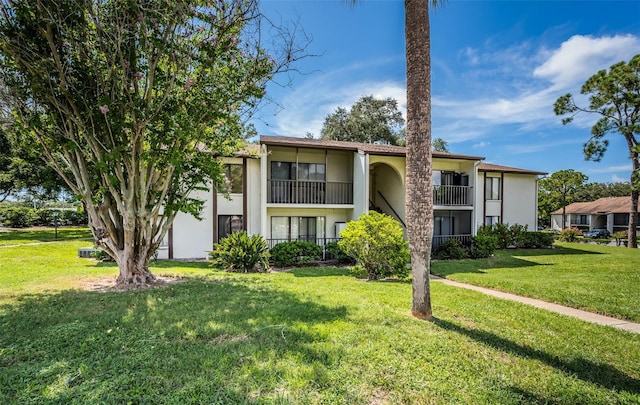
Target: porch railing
[309,192]
[440,239]
[452,195]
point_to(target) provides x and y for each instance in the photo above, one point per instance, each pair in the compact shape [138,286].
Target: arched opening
[386,191]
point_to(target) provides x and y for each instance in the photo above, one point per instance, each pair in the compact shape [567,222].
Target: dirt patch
[106,284]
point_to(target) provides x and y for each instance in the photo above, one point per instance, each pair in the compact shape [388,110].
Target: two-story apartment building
[308,189]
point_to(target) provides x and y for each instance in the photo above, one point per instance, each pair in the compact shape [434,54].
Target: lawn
[34,235]
[307,336]
[602,279]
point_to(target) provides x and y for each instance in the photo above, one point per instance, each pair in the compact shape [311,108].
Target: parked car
[597,233]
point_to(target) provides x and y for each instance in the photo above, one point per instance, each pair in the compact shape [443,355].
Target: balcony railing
[440,239]
[309,192]
[452,195]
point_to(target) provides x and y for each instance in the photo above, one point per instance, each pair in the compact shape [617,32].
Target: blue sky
[497,68]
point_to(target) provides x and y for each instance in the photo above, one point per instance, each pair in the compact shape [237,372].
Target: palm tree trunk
[419,200]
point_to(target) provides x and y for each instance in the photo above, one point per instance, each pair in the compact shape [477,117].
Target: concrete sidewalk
[576,313]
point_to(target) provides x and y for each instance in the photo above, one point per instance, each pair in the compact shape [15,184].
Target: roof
[605,205]
[487,167]
[369,148]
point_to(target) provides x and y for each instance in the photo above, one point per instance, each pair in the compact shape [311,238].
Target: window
[311,171]
[233,173]
[492,188]
[443,226]
[297,228]
[300,171]
[228,224]
[491,220]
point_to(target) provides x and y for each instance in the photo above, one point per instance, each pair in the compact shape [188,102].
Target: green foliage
[23,217]
[558,190]
[369,120]
[334,251]
[483,246]
[569,234]
[619,237]
[18,217]
[516,236]
[451,249]
[377,244]
[439,145]
[534,240]
[241,252]
[295,253]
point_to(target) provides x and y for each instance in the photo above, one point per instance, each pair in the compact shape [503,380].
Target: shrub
[241,252]
[501,232]
[569,235]
[78,217]
[295,253]
[483,246]
[18,217]
[534,240]
[377,244]
[334,250]
[620,238]
[451,249]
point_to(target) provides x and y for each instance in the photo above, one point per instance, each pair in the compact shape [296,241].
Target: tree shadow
[197,339]
[320,272]
[510,258]
[600,374]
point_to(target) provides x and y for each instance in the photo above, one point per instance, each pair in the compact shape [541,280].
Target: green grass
[42,235]
[602,279]
[309,336]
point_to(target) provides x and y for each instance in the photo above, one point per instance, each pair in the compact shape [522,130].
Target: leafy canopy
[369,120]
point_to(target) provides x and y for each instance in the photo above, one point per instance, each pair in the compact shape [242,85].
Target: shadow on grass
[510,258]
[596,373]
[215,342]
[44,235]
[320,272]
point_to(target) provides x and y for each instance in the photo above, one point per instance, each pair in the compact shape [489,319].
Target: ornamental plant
[376,242]
[241,252]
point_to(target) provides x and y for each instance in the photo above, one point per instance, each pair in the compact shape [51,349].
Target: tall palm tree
[419,189]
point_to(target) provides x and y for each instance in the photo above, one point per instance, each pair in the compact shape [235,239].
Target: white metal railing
[452,195]
[309,192]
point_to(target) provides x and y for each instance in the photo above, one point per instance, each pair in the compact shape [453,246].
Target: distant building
[610,213]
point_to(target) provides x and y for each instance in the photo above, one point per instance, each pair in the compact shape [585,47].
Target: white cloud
[581,56]
[305,108]
[481,144]
[527,99]
[613,169]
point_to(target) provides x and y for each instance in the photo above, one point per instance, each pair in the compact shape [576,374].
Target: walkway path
[576,313]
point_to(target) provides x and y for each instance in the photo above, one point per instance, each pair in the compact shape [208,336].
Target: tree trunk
[419,195]
[633,215]
[128,240]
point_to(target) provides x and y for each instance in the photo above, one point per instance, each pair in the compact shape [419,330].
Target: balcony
[309,192]
[452,195]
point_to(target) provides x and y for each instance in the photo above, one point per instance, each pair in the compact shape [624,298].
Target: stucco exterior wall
[193,238]
[520,204]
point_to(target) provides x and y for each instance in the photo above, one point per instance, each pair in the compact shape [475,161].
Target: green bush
[377,244]
[334,251]
[295,253]
[620,238]
[483,246]
[78,217]
[451,249]
[18,217]
[534,240]
[500,231]
[241,252]
[569,235]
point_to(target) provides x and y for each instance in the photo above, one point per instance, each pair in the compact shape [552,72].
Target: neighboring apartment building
[610,213]
[308,189]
